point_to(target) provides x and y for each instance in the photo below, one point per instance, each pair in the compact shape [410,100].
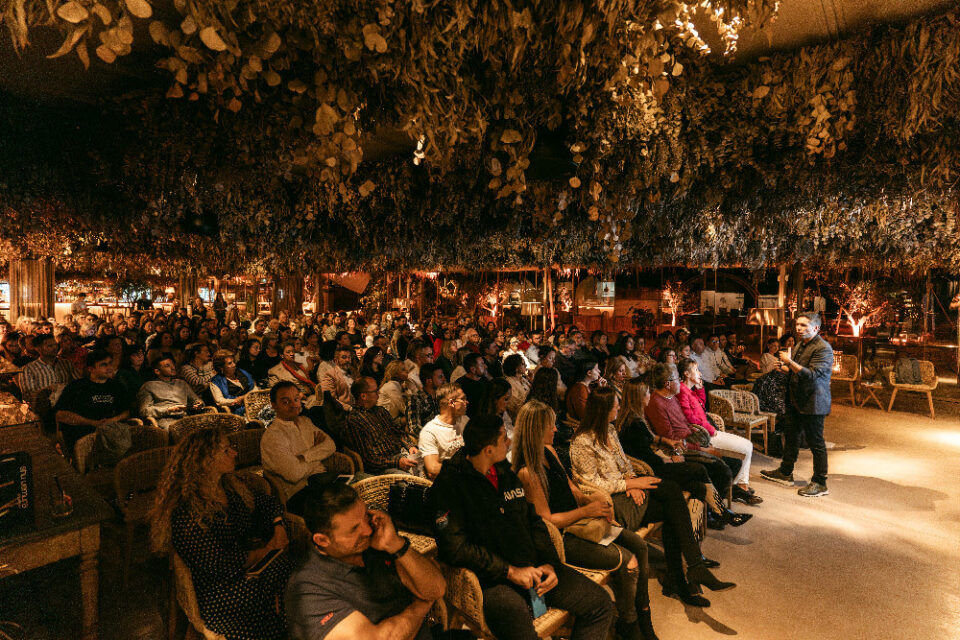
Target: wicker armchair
[929,377]
[253,403]
[740,410]
[135,480]
[101,478]
[183,594]
[228,422]
[247,444]
[375,491]
[849,372]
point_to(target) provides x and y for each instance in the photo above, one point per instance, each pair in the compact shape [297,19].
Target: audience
[42,379]
[96,403]
[422,403]
[515,372]
[289,370]
[556,499]
[474,382]
[168,398]
[692,400]
[393,390]
[231,384]
[588,373]
[598,460]
[483,522]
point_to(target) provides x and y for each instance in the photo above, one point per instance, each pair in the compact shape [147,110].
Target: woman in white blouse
[393,390]
[769,360]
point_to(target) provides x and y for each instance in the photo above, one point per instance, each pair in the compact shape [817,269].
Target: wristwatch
[402,550]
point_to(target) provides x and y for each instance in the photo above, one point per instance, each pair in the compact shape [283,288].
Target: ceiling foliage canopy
[564,131]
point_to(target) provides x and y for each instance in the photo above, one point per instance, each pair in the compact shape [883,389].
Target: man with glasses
[808,404]
[370,431]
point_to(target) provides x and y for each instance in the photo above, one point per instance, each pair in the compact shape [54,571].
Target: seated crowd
[515,430]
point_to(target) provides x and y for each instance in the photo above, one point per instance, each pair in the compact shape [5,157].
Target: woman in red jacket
[692,399]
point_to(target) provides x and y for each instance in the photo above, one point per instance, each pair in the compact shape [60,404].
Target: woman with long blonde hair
[393,390]
[598,460]
[558,500]
[222,524]
[693,476]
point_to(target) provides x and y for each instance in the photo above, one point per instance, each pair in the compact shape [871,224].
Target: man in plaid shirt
[383,446]
[46,375]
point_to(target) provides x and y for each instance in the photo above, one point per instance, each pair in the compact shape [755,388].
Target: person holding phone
[483,522]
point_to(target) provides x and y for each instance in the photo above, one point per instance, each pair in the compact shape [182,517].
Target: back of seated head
[348,349]
[584,367]
[277,388]
[39,339]
[512,364]
[462,354]
[339,336]
[731,333]
[470,360]
[481,432]
[362,385]
[544,351]
[192,349]
[485,344]
[97,356]
[12,336]
[684,364]
[427,370]
[327,349]
[326,501]
[712,336]
[659,375]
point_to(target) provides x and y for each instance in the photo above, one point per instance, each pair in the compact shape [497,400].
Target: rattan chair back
[227,422]
[247,444]
[254,402]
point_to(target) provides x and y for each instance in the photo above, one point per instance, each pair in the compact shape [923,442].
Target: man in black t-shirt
[474,383]
[91,402]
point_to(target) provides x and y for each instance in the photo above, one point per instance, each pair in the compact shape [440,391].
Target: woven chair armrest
[557,538]
[255,424]
[339,462]
[153,422]
[465,595]
[717,421]
[134,421]
[210,410]
[640,467]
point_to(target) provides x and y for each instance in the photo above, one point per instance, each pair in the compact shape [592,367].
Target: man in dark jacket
[484,523]
[808,400]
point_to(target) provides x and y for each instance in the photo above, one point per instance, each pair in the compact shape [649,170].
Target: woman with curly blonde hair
[222,524]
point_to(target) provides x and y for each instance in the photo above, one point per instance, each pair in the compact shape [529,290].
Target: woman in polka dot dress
[222,523]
